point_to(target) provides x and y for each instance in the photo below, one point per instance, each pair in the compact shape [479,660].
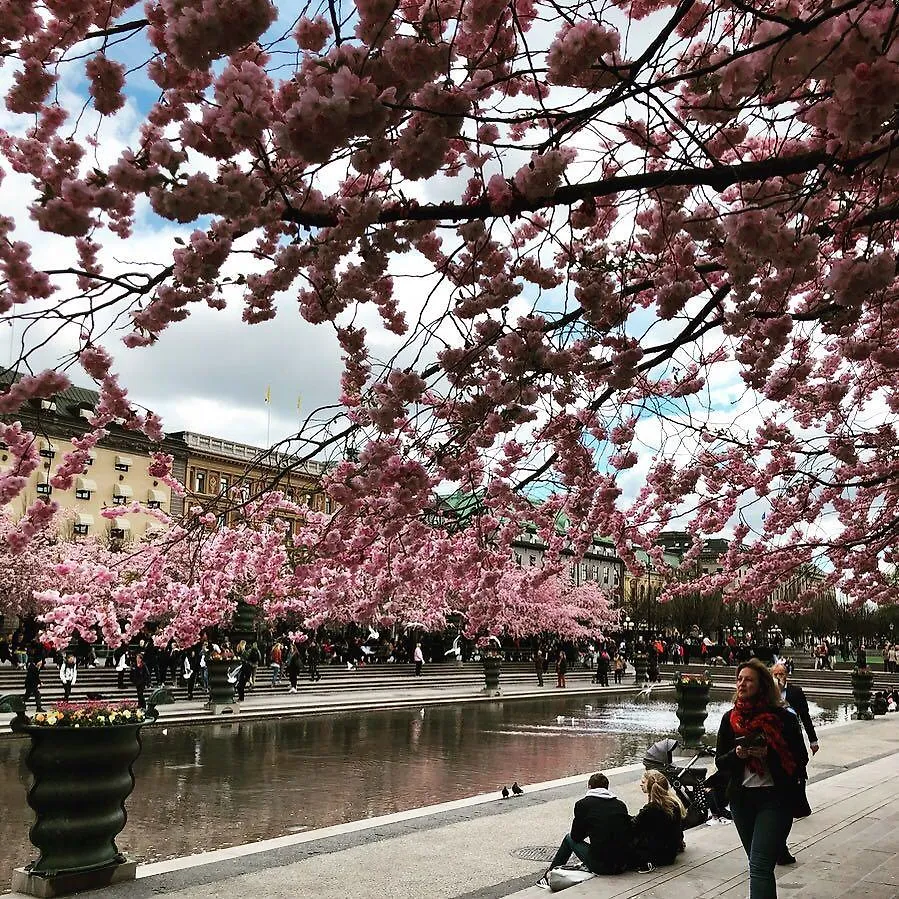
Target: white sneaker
[543,883]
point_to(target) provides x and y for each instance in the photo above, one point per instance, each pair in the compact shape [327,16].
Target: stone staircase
[334,678]
[388,676]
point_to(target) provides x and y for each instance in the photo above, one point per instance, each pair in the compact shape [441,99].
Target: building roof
[245,453]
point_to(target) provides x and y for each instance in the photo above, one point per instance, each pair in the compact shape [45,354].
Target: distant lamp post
[628,624]
[738,632]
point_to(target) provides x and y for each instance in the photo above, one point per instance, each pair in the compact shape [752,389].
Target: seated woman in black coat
[659,827]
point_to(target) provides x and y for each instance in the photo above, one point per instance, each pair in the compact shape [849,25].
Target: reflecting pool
[211,786]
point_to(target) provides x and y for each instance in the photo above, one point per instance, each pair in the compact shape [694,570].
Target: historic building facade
[220,474]
[116,476]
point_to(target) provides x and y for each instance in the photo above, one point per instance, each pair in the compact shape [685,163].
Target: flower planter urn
[862,684]
[221,690]
[692,710]
[81,777]
[492,667]
[641,665]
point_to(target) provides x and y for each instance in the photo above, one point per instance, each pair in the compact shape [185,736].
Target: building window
[328,505]
[119,500]
[123,463]
[224,483]
[533,560]
[44,489]
[199,480]
[605,575]
[48,451]
[82,494]
[154,504]
[518,559]
[81,529]
[117,533]
[89,460]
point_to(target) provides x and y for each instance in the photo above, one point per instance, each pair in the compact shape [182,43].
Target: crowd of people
[289,657]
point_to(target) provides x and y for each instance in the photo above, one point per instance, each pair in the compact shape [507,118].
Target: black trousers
[36,693]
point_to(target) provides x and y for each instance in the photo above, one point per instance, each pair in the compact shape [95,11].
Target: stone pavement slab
[849,847]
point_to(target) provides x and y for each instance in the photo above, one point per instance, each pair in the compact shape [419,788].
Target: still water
[208,787]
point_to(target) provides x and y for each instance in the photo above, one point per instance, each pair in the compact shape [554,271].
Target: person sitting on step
[602,818]
[659,826]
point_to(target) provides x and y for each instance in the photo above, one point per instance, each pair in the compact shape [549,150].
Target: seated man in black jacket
[602,817]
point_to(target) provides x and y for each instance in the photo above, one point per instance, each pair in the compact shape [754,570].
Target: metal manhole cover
[536,853]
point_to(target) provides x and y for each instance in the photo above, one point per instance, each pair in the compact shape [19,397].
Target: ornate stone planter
[492,667]
[81,778]
[221,690]
[692,710]
[862,684]
[641,664]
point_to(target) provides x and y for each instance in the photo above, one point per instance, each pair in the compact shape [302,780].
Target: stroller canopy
[659,754]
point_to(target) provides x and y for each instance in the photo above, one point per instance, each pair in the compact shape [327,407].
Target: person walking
[203,657]
[121,666]
[253,657]
[761,755]
[419,658]
[794,698]
[313,657]
[68,675]
[245,671]
[140,678]
[276,658]
[33,679]
[190,665]
[561,669]
[602,668]
[294,666]
[539,660]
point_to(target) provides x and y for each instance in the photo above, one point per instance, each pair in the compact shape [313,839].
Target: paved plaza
[487,848]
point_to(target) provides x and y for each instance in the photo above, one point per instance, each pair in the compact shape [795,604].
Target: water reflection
[213,786]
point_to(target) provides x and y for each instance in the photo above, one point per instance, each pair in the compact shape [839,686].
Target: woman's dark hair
[769,692]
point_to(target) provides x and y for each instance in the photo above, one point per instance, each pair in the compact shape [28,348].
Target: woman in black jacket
[659,827]
[762,755]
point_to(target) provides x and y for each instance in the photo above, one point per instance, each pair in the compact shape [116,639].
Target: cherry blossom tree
[182,579]
[636,260]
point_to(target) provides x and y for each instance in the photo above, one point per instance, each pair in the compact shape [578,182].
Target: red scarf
[748,717]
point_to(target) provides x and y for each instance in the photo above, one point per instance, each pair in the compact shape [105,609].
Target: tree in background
[645,244]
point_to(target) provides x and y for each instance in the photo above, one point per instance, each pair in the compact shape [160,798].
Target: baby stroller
[688,782]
